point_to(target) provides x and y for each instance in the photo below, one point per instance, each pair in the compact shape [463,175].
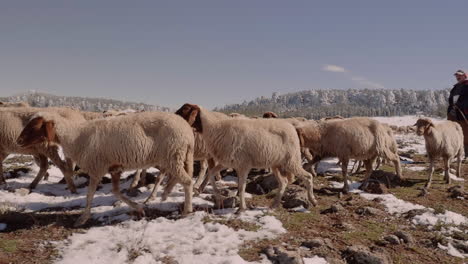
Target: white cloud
[333,68]
[366,83]
[361,81]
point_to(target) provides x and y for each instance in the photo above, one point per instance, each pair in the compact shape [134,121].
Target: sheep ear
[194,119]
[49,130]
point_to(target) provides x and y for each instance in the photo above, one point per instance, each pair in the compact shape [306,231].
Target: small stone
[361,255]
[370,211]
[406,237]
[376,188]
[314,243]
[456,191]
[231,202]
[295,196]
[394,240]
[280,255]
[463,247]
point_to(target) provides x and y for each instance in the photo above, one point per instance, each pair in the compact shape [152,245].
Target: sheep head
[37,131]
[191,113]
[423,126]
[270,115]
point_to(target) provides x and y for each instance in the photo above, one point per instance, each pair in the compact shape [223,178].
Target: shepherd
[458,104]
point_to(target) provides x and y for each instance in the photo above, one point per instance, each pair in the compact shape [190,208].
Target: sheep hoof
[240,211]
[140,213]
[423,192]
[81,220]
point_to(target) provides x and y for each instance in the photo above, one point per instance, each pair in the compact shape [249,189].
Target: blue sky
[218,52]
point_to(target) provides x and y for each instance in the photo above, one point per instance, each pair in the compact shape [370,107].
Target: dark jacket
[460,90]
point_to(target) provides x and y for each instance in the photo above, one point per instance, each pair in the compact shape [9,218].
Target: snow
[448,217]
[187,240]
[315,260]
[408,120]
[3,226]
[452,251]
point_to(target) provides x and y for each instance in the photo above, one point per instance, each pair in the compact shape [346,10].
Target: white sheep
[353,138]
[243,144]
[11,104]
[442,140]
[12,122]
[158,139]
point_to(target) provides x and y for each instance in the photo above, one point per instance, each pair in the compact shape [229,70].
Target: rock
[231,202]
[333,209]
[376,188]
[295,196]
[456,191]
[415,212]
[463,247]
[262,185]
[460,236]
[133,192]
[394,240]
[406,237]
[314,243]
[280,255]
[254,188]
[361,255]
[370,211]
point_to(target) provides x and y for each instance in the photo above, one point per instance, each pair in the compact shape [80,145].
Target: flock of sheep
[113,142]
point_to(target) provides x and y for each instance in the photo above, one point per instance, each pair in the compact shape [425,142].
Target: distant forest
[315,104]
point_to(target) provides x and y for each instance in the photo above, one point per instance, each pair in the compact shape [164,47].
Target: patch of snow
[455,178]
[416,168]
[187,240]
[3,226]
[452,251]
[431,219]
[393,204]
[315,260]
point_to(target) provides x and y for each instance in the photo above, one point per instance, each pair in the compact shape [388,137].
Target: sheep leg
[43,167]
[67,168]
[211,176]
[116,191]
[431,172]
[2,178]
[242,176]
[447,170]
[154,192]
[136,179]
[309,181]
[283,182]
[169,187]
[211,165]
[202,175]
[37,160]
[93,183]
[459,162]
[369,164]
[344,171]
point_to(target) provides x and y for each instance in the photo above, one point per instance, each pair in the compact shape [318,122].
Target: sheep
[92,115]
[270,115]
[353,138]
[12,121]
[442,140]
[117,144]
[10,104]
[243,144]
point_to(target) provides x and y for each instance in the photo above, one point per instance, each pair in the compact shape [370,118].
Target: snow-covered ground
[192,239]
